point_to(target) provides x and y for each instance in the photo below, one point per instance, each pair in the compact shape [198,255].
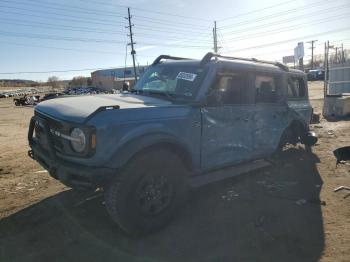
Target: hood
[78,108]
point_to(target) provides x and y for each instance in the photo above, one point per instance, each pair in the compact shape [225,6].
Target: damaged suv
[183,118]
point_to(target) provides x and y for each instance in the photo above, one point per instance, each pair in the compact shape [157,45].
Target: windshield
[173,81]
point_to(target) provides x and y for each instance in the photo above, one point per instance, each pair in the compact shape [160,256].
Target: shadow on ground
[270,215]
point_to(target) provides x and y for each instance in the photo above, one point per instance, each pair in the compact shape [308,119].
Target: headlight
[79,140]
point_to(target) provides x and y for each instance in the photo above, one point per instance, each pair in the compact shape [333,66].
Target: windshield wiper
[166,94]
[150,93]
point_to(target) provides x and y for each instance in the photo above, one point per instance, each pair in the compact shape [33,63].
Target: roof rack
[159,58]
[210,55]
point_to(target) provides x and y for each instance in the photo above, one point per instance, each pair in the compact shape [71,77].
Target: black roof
[246,63]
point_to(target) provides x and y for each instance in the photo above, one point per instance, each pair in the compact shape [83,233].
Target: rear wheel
[294,134]
[289,136]
[145,195]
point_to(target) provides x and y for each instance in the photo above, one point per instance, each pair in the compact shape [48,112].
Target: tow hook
[31,154]
[310,139]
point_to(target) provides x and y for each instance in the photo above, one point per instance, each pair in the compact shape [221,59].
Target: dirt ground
[274,214]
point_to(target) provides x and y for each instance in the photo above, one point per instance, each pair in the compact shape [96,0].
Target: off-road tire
[121,195]
[288,137]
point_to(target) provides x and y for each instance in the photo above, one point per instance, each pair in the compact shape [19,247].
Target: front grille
[53,124]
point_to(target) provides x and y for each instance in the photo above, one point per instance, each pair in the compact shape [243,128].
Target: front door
[227,121]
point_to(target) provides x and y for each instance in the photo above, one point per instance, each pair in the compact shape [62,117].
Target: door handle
[246,119]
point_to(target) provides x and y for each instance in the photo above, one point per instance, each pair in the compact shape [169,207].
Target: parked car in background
[51,96]
[27,100]
[315,74]
[183,118]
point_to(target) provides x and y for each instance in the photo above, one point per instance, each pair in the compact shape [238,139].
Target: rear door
[297,95]
[270,118]
[227,120]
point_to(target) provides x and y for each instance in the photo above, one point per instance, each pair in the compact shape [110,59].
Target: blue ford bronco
[184,117]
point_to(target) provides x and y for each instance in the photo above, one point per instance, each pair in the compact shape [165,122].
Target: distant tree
[80,81]
[53,81]
[89,81]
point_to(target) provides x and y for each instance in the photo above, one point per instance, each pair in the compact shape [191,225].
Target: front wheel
[145,195]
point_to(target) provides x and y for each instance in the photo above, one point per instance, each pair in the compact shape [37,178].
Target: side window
[296,88]
[230,89]
[127,72]
[265,89]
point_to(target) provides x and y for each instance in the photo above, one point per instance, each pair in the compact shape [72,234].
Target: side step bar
[214,176]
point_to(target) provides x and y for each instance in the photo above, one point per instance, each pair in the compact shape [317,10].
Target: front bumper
[69,173]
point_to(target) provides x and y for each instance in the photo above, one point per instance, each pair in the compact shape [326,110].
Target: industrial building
[109,79]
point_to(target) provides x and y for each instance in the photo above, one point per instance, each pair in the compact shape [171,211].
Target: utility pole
[215,38]
[342,54]
[336,54]
[325,63]
[132,43]
[312,52]
[327,68]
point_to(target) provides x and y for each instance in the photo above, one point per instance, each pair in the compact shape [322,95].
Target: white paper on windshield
[186,76]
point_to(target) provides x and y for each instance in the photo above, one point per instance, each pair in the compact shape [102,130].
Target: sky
[38,36]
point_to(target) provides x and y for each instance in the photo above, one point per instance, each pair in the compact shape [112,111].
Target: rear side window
[296,87]
[265,89]
[230,89]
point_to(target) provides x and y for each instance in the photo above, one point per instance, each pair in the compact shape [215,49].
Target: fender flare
[145,142]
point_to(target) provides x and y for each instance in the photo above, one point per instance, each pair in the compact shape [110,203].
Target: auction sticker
[186,76]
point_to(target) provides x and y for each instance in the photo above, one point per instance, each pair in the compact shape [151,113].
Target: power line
[77,18]
[58,71]
[108,32]
[57,27]
[161,27]
[100,21]
[274,15]
[49,17]
[60,48]
[256,10]
[88,20]
[29,23]
[285,20]
[72,29]
[94,11]
[61,38]
[291,40]
[289,28]
[91,40]
[149,11]
[69,9]
[163,21]
[178,35]
[155,29]
[67,49]
[167,28]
